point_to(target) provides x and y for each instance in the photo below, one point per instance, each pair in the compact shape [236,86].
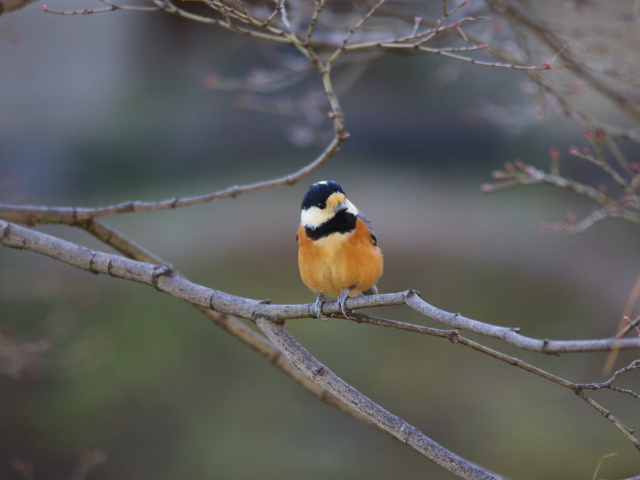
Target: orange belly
[339,261]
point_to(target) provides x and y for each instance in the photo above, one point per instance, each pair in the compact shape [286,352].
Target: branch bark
[403,431]
[219,305]
[164,279]
[34,215]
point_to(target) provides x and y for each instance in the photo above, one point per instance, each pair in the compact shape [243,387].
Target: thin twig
[314,20]
[33,215]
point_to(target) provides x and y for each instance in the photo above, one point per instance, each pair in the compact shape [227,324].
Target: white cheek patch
[314,217]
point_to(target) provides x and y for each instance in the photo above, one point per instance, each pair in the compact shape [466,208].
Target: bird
[338,252]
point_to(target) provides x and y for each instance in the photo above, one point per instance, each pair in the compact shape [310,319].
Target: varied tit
[337,250]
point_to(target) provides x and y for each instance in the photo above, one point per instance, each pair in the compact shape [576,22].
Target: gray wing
[368,224]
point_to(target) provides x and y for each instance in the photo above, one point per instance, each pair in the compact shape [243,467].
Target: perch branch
[228,323]
[222,304]
[164,279]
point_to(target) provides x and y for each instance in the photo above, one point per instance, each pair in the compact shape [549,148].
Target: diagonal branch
[273,355]
[399,428]
[228,323]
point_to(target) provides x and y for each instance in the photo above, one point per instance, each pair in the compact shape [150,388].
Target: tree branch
[219,305]
[34,215]
[548,36]
[164,279]
[399,428]
[228,323]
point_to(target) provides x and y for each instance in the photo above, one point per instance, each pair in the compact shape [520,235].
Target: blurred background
[100,109]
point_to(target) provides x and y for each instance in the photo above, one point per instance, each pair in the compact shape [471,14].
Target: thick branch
[219,305]
[228,323]
[400,429]
[165,280]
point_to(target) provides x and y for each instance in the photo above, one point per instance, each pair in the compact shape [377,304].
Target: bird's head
[324,201]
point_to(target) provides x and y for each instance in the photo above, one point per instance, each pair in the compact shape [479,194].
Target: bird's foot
[342,302]
[318,308]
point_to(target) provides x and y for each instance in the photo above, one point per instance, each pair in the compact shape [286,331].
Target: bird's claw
[342,302]
[318,308]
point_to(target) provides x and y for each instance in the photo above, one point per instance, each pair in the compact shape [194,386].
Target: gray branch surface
[164,279]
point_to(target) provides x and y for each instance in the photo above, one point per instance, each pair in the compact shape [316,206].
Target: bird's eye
[322,205]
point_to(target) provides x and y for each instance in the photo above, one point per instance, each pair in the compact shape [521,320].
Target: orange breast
[339,261]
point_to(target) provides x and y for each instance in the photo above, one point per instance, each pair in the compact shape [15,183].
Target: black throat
[343,222]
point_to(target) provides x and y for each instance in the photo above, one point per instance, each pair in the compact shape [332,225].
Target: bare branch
[399,428]
[165,280]
[521,19]
[110,7]
[222,304]
[33,215]
[228,323]
[314,19]
[609,384]
[518,174]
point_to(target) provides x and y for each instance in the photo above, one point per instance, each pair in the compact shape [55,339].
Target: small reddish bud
[627,200]
[84,11]
[486,188]
[554,153]
[519,164]
[454,25]
[508,167]
[464,3]
[484,46]
[45,8]
[574,150]
[586,150]
[602,189]
[634,166]
[569,217]
[545,227]
[545,66]
[588,134]
[211,80]
[599,135]
[497,175]
[417,20]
